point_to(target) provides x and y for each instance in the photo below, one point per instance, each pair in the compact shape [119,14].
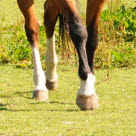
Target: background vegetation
[117,31]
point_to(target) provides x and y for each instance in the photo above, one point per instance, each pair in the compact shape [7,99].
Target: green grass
[22,116]
[13,14]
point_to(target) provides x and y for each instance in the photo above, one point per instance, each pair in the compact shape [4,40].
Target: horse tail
[62,28]
[64,40]
[66,50]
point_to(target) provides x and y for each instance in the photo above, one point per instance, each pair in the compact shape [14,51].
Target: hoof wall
[51,85]
[40,95]
[87,102]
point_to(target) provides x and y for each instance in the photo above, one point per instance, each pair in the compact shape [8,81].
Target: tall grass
[116,37]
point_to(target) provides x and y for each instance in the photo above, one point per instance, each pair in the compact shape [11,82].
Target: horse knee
[79,36]
[78,33]
[32,32]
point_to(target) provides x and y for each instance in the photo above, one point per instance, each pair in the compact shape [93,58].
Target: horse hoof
[87,102]
[40,95]
[51,85]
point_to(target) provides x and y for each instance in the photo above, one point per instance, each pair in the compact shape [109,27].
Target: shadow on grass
[20,94]
[68,110]
[56,103]
[2,108]
[23,94]
[63,103]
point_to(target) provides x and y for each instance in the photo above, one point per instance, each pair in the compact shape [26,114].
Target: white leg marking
[39,76]
[87,86]
[51,60]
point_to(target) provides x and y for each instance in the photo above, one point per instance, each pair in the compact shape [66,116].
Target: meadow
[115,72]
[20,115]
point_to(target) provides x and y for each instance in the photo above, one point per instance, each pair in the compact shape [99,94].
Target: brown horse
[85,41]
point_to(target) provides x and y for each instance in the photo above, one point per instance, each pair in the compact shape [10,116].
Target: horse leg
[50,18]
[94,8]
[32,32]
[86,97]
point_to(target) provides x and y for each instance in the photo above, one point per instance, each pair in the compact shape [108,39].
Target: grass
[20,115]
[11,15]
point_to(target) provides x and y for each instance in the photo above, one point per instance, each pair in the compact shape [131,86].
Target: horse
[85,40]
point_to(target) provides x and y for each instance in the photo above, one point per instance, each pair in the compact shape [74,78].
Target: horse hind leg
[32,32]
[50,18]
[86,96]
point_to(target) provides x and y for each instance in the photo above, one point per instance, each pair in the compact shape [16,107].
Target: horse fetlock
[87,102]
[40,95]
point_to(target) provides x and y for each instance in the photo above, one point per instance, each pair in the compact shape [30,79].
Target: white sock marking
[51,60]
[39,75]
[87,86]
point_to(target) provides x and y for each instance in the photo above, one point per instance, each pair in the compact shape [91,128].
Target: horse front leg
[32,32]
[93,13]
[94,8]
[50,18]
[86,96]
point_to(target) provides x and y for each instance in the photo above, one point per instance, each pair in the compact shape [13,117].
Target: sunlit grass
[12,14]
[21,115]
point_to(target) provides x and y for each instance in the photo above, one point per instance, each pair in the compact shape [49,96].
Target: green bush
[122,23]
[117,38]
[117,31]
